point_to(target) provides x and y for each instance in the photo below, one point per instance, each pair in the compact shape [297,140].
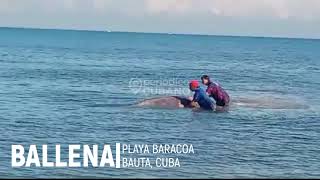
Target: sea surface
[80,87]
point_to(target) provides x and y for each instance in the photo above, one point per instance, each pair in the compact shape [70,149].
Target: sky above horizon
[279,18]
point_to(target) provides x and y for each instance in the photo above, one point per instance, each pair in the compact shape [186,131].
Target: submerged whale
[269,102]
[167,102]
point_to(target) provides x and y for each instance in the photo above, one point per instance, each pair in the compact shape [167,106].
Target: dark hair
[205,77]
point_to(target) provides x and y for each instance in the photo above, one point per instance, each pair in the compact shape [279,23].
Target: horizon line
[161,33]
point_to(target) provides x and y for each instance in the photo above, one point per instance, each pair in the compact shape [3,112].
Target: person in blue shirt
[200,96]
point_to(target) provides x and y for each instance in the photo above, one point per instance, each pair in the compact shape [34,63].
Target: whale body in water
[253,102]
[167,102]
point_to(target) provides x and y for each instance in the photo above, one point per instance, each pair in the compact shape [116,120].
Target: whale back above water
[167,102]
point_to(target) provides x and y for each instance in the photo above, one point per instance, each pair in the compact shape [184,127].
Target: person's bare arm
[194,104]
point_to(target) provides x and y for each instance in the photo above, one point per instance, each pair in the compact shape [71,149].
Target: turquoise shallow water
[73,87]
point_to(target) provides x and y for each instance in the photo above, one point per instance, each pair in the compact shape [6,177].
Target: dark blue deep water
[73,87]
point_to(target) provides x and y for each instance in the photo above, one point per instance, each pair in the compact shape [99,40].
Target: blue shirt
[204,101]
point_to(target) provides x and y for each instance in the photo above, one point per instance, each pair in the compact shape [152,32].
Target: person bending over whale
[215,91]
[200,96]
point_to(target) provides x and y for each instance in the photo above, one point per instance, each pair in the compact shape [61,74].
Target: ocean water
[80,87]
